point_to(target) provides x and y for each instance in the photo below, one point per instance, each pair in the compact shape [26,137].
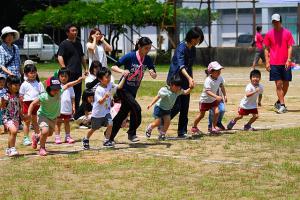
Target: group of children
[45,109]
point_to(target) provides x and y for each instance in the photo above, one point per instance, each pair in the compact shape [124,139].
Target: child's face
[105,80]
[54,92]
[90,99]
[63,78]
[31,75]
[2,83]
[175,88]
[215,74]
[14,88]
[95,70]
[255,80]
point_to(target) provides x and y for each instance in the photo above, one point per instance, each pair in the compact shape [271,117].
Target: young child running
[11,113]
[30,89]
[49,110]
[84,113]
[3,91]
[101,107]
[164,102]
[209,98]
[67,108]
[248,104]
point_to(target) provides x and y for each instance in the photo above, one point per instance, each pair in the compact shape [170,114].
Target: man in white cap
[10,63]
[278,53]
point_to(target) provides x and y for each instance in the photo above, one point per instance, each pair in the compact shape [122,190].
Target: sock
[149,127]
[68,135]
[277,101]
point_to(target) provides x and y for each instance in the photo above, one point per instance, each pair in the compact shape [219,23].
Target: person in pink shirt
[259,51]
[278,52]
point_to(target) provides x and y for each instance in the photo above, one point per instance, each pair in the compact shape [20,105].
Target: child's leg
[155,123]
[108,131]
[35,124]
[67,127]
[253,119]
[167,121]
[237,118]
[90,133]
[12,134]
[58,126]
[26,127]
[198,118]
[44,135]
[216,115]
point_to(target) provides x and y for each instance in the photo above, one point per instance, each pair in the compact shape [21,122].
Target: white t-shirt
[66,101]
[31,90]
[100,110]
[251,102]
[213,86]
[99,54]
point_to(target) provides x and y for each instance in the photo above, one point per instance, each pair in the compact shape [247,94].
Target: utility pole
[254,18]
[209,23]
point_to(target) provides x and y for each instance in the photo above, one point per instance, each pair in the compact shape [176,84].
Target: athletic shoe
[277,105]
[43,152]
[183,136]
[248,127]
[83,127]
[162,137]
[57,139]
[221,126]
[195,130]
[133,138]
[26,141]
[108,144]
[215,130]
[69,140]
[34,140]
[282,110]
[231,125]
[148,131]
[13,152]
[85,144]
[7,151]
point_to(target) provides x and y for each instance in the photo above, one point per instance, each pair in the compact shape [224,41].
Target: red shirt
[259,41]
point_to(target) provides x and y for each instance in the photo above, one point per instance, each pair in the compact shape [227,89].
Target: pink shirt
[259,41]
[278,41]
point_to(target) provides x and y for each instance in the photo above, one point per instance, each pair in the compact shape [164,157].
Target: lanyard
[140,60]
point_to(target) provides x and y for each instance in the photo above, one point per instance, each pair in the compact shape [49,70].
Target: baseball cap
[29,62]
[214,66]
[2,76]
[53,83]
[276,17]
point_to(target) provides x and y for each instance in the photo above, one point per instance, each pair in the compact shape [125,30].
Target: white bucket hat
[8,29]
[29,62]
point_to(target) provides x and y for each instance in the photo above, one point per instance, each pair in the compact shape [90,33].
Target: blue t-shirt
[183,58]
[131,63]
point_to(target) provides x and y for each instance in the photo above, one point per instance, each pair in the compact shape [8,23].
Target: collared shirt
[6,53]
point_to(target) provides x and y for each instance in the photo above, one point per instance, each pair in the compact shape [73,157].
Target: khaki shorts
[45,122]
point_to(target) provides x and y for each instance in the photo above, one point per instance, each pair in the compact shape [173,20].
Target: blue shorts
[278,72]
[159,113]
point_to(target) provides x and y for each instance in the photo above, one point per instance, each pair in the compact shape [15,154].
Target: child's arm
[210,93]
[104,98]
[71,84]
[187,91]
[249,94]
[155,99]
[73,105]
[224,92]
[32,105]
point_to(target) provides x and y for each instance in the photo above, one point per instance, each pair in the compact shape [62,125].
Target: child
[165,101]
[248,104]
[91,81]
[49,110]
[101,107]
[67,108]
[2,93]
[30,89]
[209,98]
[11,113]
[84,112]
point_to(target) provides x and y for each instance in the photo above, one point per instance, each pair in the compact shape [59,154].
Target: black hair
[143,41]
[104,71]
[87,93]
[64,71]
[95,64]
[2,78]
[31,68]
[255,72]
[12,80]
[194,33]
[175,80]
[206,72]
[68,26]
[258,28]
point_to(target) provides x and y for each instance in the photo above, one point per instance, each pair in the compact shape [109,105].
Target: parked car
[244,40]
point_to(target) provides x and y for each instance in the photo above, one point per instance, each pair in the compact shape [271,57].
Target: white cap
[214,66]
[29,62]
[276,17]
[8,29]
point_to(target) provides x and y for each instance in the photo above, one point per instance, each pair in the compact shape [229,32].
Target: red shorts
[243,111]
[26,105]
[64,117]
[208,106]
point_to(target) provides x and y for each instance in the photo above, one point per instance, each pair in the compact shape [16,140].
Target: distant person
[278,53]
[259,48]
[10,63]
[97,47]
[70,56]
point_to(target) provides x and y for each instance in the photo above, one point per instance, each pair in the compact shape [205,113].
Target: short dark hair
[104,71]
[175,80]
[143,41]
[194,33]
[258,28]
[31,68]
[64,71]
[68,26]
[255,72]
[95,64]
[12,80]
[87,93]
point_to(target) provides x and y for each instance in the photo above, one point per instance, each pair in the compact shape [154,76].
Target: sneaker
[69,140]
[85,144]
[26,141]
[231,125]
[83,127]
[43,152]
[7,151]
[221,126]
[215,130]
[248,127]
[183,135]
[281,110]
[195,130]
[57,139]
[34,140]
[277,105]
[108,144]
[133,138]
[13,152]
[162,137]
[148,131]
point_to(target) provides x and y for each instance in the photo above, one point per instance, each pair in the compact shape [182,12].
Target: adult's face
[72,33]
[276,24]
[9,38]
[144,50]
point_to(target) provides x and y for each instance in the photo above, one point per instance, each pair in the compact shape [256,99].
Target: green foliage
[192,15]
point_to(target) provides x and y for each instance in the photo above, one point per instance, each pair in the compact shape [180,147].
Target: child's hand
[149,106]
[219,98]
[257,89]
[225,99]
[259,104]
[107,95]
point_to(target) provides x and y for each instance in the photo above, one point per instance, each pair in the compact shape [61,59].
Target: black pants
[128,104]
[77,89]
[181,105]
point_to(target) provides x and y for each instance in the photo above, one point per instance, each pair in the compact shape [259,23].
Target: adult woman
[135,64]
[97,46]
[182,63]
[10,62]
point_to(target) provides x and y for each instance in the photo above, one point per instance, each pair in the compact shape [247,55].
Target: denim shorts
[278,72]
[101,122]
[159,113]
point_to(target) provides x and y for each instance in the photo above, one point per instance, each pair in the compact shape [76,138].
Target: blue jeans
[221,114]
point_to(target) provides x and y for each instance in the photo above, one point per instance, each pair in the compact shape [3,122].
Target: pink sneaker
[215,130]
[43,152]
[69,140]
[34,141]
[57,139]
[195,130]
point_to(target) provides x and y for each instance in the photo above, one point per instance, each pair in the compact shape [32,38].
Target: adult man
[278,53]
[70,56]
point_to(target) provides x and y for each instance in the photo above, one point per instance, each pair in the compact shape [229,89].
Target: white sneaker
[7,151]
[281,110]
[83,127]
[13,152]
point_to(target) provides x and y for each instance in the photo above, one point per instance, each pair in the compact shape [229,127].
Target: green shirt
[167,98]
[49,106]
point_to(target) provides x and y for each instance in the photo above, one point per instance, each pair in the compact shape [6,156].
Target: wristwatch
[289,60]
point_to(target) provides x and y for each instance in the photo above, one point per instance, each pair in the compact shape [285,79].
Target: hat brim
[16,34]
[55,87]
